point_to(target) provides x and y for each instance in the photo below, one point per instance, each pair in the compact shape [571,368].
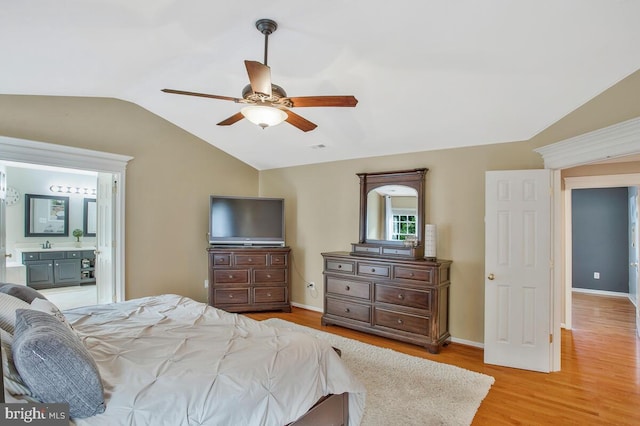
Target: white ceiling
[428,74]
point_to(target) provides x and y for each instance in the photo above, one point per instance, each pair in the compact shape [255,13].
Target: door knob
[491,277]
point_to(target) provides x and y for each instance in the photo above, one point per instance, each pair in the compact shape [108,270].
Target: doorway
[114,165]
[585,182]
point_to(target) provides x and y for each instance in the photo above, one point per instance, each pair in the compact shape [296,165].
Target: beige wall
[167,187]
[324,199]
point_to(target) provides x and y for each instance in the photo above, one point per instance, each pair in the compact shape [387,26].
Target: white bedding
[168,360]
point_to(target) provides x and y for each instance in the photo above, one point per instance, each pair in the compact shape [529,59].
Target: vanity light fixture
[264,115]
[66,189]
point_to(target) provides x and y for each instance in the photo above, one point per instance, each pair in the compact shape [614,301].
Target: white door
[3,225]
[105,238]
[518,297]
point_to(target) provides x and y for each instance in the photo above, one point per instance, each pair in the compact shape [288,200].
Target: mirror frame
[85,216]
[27,216]
[414,178]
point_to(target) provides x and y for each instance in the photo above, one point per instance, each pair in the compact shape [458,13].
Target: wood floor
[599,383]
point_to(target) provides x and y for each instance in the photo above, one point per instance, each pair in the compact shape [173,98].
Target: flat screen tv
[246,221]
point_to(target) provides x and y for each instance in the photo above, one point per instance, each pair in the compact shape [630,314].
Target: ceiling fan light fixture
[264,115]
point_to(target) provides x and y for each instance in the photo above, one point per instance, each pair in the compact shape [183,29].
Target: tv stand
[249,278]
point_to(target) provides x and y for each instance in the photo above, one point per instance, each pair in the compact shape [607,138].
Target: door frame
[584,182]
[33,152]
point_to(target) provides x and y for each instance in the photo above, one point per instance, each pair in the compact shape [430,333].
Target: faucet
[46,245]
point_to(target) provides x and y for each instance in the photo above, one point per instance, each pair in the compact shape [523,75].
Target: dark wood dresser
[249,279]
[402,299]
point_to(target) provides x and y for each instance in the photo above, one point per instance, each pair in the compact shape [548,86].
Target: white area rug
[406,390]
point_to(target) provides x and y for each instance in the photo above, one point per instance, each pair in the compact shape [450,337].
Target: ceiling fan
[267,103]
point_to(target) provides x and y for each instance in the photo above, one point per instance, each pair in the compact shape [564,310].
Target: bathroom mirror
[46,216]
[89,217]
[392,215]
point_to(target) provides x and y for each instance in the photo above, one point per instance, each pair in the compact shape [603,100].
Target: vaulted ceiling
[427,74]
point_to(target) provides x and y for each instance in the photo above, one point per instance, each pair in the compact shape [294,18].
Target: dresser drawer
[340,266]
[373,270]
[348,310]
[73,254]
[400,321]
[250,259]
[269,276]
[221,260]
[269,294]
[397,251]
[422,275]
[231,276]
[232,296]
[401,296]
[361,290]
[278,259]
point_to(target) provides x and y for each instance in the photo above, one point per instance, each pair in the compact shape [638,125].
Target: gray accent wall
[600,239]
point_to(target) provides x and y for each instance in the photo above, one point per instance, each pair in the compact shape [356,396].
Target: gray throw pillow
[55,365]
[22,292]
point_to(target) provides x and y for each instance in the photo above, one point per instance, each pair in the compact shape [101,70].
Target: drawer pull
[373,269]
[250,260]
[399,321]
[400,296]
[268,275]
[268,294]
[347,288]
[411,274]
[347,310]
[339,266]
[230,277]
[231,296]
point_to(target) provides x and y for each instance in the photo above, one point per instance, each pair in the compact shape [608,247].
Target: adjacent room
[283,213]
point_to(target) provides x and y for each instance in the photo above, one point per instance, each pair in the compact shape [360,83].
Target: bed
[171,360]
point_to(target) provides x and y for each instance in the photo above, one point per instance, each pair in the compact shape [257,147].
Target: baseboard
[599,292]
[307,307]
[467,342]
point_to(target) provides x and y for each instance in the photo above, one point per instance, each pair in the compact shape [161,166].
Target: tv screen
[246,221]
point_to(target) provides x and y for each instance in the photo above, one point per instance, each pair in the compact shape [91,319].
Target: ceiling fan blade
[259,77]
[202,95]
[299,121]
[233,119]
[323,101]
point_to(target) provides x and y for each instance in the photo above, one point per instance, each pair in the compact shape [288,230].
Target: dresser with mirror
[385,285]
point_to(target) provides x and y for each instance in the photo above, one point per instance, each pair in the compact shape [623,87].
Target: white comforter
[168,360]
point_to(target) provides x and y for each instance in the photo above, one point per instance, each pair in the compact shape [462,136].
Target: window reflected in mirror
[392,213]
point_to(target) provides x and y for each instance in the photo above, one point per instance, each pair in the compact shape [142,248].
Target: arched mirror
[392,216]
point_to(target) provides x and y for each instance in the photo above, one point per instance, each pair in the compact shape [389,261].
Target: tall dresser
[243,279]
[402,299]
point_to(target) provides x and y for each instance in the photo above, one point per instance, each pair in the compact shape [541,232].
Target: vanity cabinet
[48,269]
[244,279]
[402,299]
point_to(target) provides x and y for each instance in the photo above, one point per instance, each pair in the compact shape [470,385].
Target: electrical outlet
[311,284]
[596,275]
[206,283]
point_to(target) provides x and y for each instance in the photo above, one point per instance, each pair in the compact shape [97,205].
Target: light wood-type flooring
[599,383]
